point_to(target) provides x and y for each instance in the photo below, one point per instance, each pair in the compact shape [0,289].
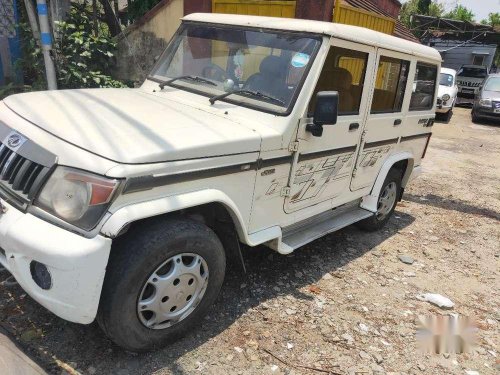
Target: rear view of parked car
[487,101]
[447,93]
[469,78]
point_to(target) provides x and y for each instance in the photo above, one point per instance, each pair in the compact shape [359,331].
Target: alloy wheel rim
[173,291]
[386,201]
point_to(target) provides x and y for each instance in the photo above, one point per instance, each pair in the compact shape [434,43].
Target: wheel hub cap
[173,291]
[386,200]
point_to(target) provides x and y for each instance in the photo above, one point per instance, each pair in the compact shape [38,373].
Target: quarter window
[424,84]
[344,72]
[390,85]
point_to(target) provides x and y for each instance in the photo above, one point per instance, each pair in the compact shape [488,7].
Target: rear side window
[390,85]
[424,84]
[344,71]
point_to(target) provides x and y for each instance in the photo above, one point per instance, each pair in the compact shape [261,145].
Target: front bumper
[486,112]
[76,264]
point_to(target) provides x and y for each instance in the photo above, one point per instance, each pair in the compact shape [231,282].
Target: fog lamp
[41,275]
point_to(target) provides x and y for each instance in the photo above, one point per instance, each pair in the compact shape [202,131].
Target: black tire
[475,118]
[134,259]
[447,116]
[375,222]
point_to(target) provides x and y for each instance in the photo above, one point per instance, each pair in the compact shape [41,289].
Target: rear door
[385,118]
[324,165]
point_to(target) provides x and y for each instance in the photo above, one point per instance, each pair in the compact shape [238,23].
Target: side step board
[311,229]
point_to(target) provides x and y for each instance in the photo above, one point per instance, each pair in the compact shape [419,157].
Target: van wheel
[161,280]
[387,201]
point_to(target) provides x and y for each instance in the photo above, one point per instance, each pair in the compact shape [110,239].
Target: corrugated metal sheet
[271,8]
[350,15]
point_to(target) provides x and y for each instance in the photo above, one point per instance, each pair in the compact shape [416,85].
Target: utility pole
[46,39]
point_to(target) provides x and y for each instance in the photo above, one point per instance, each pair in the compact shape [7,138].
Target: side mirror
[325,112]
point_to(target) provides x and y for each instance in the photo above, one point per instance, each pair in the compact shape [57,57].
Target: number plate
[470,91]
[496,110]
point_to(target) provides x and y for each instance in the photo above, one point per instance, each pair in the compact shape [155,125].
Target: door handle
[397,122]
[353,126]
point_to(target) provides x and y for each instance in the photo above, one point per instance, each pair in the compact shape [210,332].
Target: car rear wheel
[387,200]
[161,280]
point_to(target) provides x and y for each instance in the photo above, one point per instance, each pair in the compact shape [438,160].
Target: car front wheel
[162,278]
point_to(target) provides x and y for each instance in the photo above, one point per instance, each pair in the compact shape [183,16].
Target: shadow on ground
[84,346]
[452,204]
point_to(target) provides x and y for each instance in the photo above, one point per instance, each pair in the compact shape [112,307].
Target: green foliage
[83,59]
[11,89]
[425,7]
[492,20]
[460,13]
[138,8]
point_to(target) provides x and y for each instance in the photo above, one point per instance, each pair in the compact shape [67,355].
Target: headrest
[272,65]
[342,78]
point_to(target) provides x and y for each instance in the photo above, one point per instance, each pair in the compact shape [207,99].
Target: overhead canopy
[448,29]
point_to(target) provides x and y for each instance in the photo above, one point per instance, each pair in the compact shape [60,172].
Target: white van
[123,204]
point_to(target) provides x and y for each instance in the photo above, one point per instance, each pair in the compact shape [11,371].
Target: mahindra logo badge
[14,140]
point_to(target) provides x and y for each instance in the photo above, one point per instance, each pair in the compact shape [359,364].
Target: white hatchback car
[447,93]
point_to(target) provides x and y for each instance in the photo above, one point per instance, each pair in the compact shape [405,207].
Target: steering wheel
[214,72]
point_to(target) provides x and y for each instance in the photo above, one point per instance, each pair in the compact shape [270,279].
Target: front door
[385,119]
[324,165]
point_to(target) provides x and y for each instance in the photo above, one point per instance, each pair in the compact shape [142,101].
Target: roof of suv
[347,32]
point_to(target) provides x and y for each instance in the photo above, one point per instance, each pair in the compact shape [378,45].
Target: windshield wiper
[257,94]
[189,78]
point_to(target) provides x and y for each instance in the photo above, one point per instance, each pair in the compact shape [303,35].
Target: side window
[424,84]
[390,85]
[344,71]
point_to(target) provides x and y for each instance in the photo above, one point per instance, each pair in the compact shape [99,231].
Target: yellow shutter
[270,8]
[359,17]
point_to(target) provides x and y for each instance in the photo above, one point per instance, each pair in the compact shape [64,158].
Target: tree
[425,7]
[460,13]
[492,20]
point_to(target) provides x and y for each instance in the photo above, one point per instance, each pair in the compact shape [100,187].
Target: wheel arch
[404,162]
[194,201]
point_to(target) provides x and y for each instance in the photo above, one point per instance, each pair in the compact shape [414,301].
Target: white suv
[123,204]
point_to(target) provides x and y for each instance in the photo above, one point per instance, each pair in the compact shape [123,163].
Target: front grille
[20,178]
[469,84]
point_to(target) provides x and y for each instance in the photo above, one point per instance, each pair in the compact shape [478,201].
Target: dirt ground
[341,304]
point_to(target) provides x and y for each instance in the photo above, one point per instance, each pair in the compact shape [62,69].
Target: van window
[424,84]
[390,85]
[344,71]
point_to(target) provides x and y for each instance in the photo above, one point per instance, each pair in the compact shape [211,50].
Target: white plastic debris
[289,345]
[238,349]
[436,299]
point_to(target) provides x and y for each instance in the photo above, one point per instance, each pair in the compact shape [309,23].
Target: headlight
[78,197]
[485,102]
[445,97]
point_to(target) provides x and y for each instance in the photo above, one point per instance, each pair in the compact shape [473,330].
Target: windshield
[445,79]
[271,63]
[492,84]
[472,72]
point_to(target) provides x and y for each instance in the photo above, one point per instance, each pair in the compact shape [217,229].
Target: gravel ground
[341,304]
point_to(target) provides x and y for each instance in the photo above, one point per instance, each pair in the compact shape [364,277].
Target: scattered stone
[347,337]
[238,349]
[363,327]
[378,358]
[298,274]
[289,345]
[246,333]
[472,372]
[421,367]
[364,355]
[291,311]
[274,368]
[327,276]
[406,259]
